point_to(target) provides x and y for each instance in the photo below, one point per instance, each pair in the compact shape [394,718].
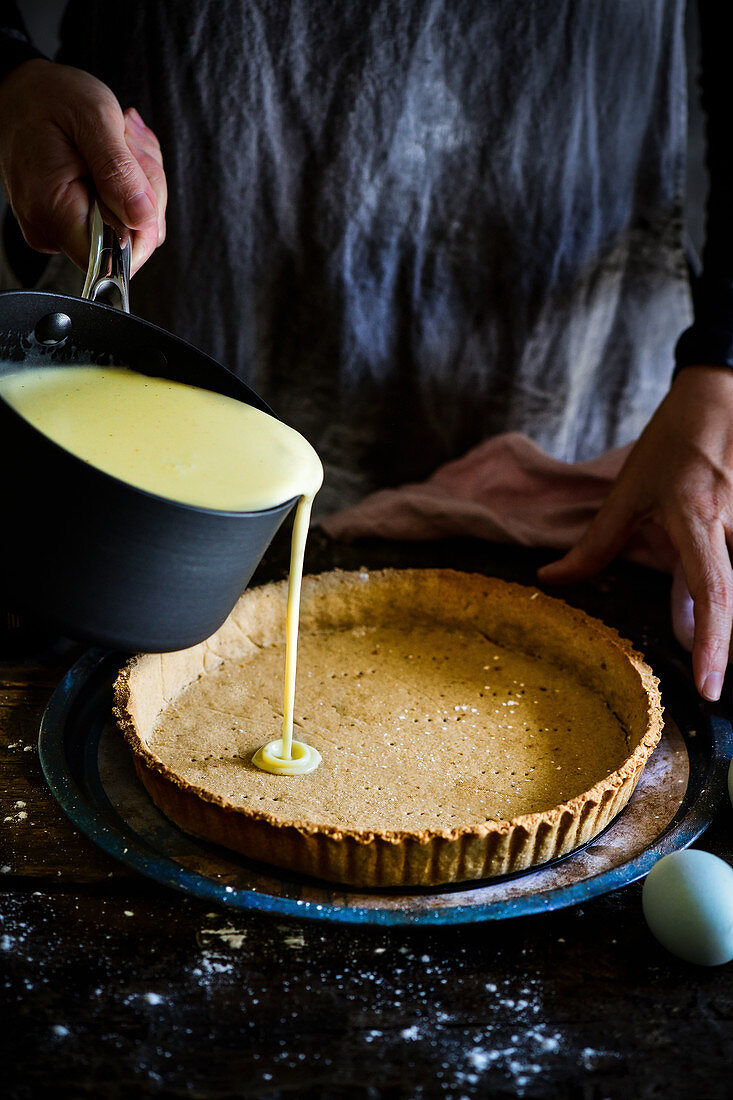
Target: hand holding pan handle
[108,273]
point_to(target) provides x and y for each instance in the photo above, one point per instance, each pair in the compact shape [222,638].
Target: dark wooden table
[114,987]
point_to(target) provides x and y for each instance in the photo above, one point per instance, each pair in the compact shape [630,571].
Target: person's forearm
[710,339]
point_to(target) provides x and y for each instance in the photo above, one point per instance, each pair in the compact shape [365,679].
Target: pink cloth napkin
[504,490]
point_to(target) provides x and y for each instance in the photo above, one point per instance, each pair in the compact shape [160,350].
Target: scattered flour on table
[18,816]
[229,937]
[590,1058]
[291,938]
[515,1042]
[506,1039]
[211,965]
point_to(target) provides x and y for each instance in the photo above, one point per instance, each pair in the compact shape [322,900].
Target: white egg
[688,904]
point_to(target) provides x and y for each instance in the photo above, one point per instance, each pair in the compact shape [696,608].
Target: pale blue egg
[688,904]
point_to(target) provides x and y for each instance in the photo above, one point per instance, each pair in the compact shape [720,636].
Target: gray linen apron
[412,224]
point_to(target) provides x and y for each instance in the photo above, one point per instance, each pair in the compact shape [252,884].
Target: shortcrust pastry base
[451,748]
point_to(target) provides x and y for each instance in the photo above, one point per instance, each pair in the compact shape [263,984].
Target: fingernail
[135,119]
[140,208]
[712,686]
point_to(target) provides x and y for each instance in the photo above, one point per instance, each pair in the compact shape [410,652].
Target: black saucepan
[86,553]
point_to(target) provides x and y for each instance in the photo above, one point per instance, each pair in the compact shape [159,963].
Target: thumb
[118,178]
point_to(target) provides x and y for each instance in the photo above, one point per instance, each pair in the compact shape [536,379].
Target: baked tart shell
[516,616]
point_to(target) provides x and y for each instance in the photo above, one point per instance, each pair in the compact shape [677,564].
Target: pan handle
[108,274]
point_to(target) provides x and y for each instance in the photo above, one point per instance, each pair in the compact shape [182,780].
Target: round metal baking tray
[90,773]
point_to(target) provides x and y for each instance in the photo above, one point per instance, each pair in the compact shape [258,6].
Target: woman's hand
[60,127]
[680,475]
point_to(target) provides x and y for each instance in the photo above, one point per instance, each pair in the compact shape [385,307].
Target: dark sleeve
[15,45]
[710,338]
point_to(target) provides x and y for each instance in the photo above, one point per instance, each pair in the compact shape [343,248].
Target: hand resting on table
[680,475]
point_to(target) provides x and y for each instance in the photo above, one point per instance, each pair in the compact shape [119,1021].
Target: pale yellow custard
[189,445]
[180,442]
